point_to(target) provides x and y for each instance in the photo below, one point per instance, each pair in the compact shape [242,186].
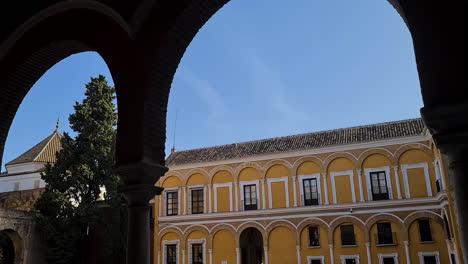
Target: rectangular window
[311,196]
[315,261]
[425,230]
[197,254]
[250,197]
[430,260]
[384,233]
[347,235]
[314,238]
[388,260]
[351,261]
[171,253]
[172,203]
[197,201]
[379,186]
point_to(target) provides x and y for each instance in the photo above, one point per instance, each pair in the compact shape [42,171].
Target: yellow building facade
[369,194]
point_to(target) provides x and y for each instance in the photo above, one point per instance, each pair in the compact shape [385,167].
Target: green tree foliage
[70,204]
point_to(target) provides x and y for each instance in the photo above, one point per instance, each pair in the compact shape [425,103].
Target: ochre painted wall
[278,194]
[439,243]
[223,199]
[224,247]
[222,177]
[282,246]
[309,168]
[314,251]
[398,248]
[342,183]
[416,176]
[378,161]
[350,250]
[196,179]
[249,174]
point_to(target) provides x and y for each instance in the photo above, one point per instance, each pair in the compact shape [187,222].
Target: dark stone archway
[251,245]
[7,249]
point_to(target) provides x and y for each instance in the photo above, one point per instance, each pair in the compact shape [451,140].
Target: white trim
[171,189]
[397,182]
[315,176]
[424,165]
[170,242]
[236,195]
[345,257]
[210,202]
[349,173]
[386,169]
[242,184]
[325,187]
[321,258]
[286,190]
[196,241]
[263,194]
[388,255]
[439,174]
[220,185]
[184,191]
[294,191]
[375,144]
[428,254]
[190,188]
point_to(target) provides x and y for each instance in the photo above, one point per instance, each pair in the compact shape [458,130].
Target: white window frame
[170,242]
[172,189]
[388,255]
[196,187]
[345,257]
[221,185]
[196,241]
[242,184]
[349,173]
[386,169]
[315,176]
[321,258]
[286,190]
[428,254]
[406,167]
[439,174]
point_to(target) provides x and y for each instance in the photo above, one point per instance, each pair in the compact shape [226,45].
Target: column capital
[395,167]
[406,242]
[359,171]
[142,172]
[324,174]
[330,246]
[265,248]
[140,194]
[210,250]
[294,178]
[237,250]
[262,180]
[298,247]
[367,244]
[183,251]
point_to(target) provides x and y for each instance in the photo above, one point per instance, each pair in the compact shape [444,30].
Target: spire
[57,124]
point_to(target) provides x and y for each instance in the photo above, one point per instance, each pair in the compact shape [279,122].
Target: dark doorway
[7,249]
[251,244]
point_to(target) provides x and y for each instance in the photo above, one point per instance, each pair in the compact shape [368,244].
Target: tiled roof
[352,135]
[44,151]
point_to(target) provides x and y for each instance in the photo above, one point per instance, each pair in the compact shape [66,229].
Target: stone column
[265,250]
[407,252]
[238,256]
[369,256]
[159,256]
[298,249]
[361,192]
[325,187]
[236,195]
[139,188]
[210,253]
[294,191]
[185,200]
[263,193]
[183,256]
[397,182]
[210,190]
[332,254]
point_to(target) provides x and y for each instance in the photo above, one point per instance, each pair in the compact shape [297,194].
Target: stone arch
[332,157]
[364,155]
[279,223]
[195,171]
[254,224]
[220,227]
[171,229]
[172,174]
[345,219]
[402,149]
[308,222]
[411,218]
[17,243]
[217,169]
[371,221]
[299,162]
[200,228]
[272,163]
[245,165]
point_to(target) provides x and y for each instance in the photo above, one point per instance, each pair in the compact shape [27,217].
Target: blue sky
[260,69]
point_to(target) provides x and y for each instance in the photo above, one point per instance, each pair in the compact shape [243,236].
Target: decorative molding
[286,190]
[381,257]
[190,188]
[171,189]
[397,182]
[196,241]
[404,169]
[315,176]
[386,169]
[421,256]
[345,257]
[361,192]
[321,258]
[170,242]
[325,187]
[243,183]
[349,173]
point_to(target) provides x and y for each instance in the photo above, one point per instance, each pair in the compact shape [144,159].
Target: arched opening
[10,247]
[251,245]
